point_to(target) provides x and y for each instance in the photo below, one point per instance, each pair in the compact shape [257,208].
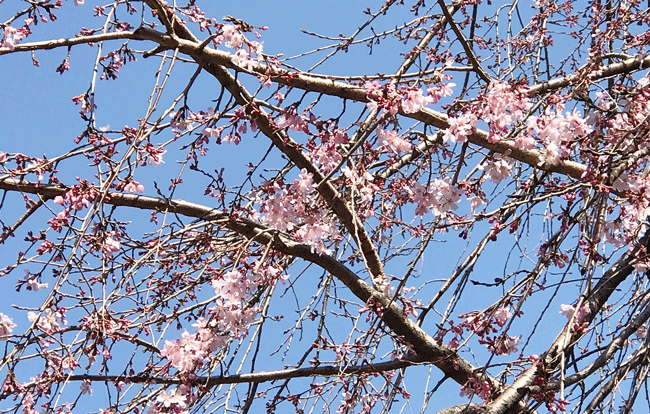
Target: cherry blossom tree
[462,231]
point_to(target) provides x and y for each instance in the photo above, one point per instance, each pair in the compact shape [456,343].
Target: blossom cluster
[409,99]
[248,53]
[326,154]
[229,318]
[389,140]
[76,198]
[151,155]
[292,208]
[359,393]
[13,36]
[7,325]
[48,321]
[474,386]
[172,401]
[502,107]
[481,324]
[439,195]
[557,132]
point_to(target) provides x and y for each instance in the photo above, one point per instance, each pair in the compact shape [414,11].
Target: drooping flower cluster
[229,318]
[13,36]
[186,353]
[247,54]
[460,127]
[480,388]
[482,324]
[172,401]
[389,140]
[32,283]
[497,168]
[503,106]
[292,208]
[77,198]
[557,132]
[362,187]
[439,195]
[7,325]
[326,155]
[151,155]
[48,321]
[409,99]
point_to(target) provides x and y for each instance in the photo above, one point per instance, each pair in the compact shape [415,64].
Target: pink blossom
[152,155]
[476,201]
[110,245]
[482,389]
[60,220]
[502,315]
[231,35]
[497,169]
[389,139]
[525,142]
[505,345]
[85,103]
[568,310]
[439,195]
[460,127]
[436,92]
[373,88]
[414,100]
[242,58]
[291,119]
[510,344]
[7,325]
[12,37]
[326,156]
[134,186]
[167,399]
[48,321]
[454,343]
[85,387]
[33,284]
[503,107]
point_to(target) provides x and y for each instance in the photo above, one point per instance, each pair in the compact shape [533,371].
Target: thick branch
[626,66]
[263,376]
[54,43]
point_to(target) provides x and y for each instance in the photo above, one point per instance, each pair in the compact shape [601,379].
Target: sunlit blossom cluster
[480,388]
[293,208]
[76,198]
[151,155]
[409,99]
[482,325]
[48,320]
[439,195]
[171,401]
[247,54]
[228,319]
[12,37]
[557,132]
[389,140]
[502,108]
[7,325]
